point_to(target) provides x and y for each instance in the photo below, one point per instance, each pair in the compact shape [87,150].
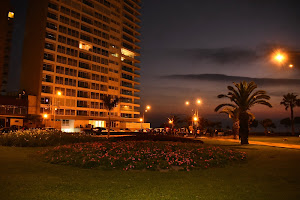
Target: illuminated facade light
[115,55]
[11,15]
[128,53]
[85,46]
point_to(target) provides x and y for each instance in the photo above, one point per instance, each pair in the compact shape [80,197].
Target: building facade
[6,27]
[75,52]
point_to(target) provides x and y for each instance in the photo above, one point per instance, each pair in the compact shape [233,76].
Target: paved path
[271,144]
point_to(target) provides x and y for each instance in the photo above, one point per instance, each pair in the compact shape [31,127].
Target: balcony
[129,62]
[129,85]
[136,87]
[129,18]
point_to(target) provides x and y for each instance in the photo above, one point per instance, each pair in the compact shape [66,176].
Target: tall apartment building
[76,51]
[6,27]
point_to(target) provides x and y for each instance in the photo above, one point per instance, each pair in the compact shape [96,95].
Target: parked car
[5,130]
[125,130]
[99,130]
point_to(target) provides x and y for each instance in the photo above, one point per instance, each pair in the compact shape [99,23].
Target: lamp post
[146,110]
[195,120]
[198,102]
[142,120]
[45,116]
[171,122]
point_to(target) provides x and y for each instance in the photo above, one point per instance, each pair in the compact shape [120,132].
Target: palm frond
[223,105]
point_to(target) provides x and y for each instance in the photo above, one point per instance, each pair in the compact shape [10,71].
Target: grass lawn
[269,173]
[276,139]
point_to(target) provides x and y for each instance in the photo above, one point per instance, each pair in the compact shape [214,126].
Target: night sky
[196,48]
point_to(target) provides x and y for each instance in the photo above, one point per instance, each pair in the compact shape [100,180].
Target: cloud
[233,55]
[225,78]
[226,55]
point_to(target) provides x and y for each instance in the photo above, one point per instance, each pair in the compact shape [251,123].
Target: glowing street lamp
[171,121]
[45,116]
[197,103]
[146,110]
[279,57]
[195,119]
[141,120]
[291,66]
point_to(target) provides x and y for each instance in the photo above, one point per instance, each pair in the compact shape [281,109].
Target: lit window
[115,55]
[127,53]
[85,46]
[11,15]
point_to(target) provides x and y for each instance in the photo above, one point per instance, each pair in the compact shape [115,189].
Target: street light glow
[141,119]
[45,116]
[291,66]
[187,103]
[170,121]
[279,56]
[199,101]
[148,107]
[59,93]
[195,119]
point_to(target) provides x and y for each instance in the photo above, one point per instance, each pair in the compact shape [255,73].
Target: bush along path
[141,155]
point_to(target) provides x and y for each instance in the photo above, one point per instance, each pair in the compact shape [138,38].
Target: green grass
[276,139]
[269,173]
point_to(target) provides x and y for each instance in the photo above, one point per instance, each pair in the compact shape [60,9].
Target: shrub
[153,137]
[128,155]
[41,138]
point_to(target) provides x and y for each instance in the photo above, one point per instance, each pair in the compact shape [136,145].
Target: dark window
[51,36]
[53,6]
[49,46]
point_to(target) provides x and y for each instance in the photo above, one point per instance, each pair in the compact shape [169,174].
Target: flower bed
[41,138]
[141,155]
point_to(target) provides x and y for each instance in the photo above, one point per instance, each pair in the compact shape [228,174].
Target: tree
[109,103]
[253,123]
[286,122]
[175,120]
[243,98]
[290,101]
[267,123]
[232,114]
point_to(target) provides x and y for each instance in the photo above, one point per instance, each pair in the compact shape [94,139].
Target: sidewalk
[271,144]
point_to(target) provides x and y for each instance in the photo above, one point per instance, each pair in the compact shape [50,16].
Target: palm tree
[109,104]
[290,101]
[243,97]
[234,115]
